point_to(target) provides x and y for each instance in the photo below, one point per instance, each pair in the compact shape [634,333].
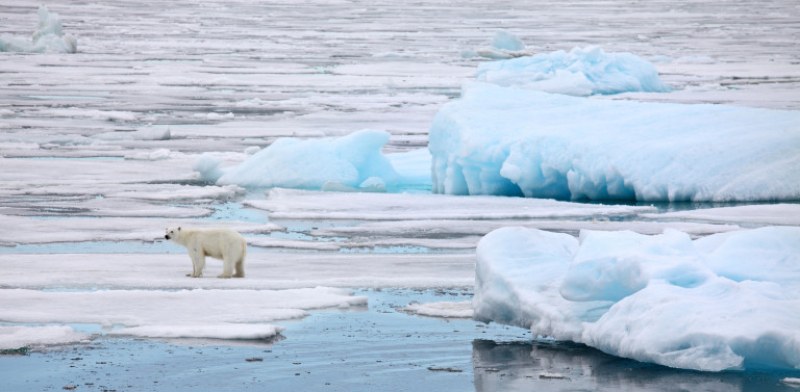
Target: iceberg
[505,45]
[48,37]
[724,302]
[579,72]
[354,162]
[509,141]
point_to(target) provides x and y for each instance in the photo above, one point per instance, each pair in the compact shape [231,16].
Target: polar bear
[224,244]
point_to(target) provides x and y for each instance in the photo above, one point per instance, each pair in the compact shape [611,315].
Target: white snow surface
[726,301]
[509,141]
[580,72]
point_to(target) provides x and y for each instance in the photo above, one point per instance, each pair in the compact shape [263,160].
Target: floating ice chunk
[220,116]
[16,337]
[105,115]
[413,167]
[208,166]
[462,309]
[345,162]
[772,214]
[252,150]
[664,299]
[507,41]
[508,141]
[229,331]
[147,133]
[48,37]
[580,72]
[791,381]
[505,45]
[159,154]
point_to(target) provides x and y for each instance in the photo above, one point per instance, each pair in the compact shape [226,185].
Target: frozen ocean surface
[103,148]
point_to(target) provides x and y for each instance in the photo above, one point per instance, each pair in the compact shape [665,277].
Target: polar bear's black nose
[166,236]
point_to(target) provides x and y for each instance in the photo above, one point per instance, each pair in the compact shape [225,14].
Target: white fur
[224,244]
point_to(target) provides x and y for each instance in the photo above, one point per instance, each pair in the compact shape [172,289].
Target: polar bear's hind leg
[228,260]
[239,268]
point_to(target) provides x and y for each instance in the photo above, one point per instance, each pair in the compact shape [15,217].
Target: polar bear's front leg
[198,263]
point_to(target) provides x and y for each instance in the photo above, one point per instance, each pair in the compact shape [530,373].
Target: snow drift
[727,301]
[508,141]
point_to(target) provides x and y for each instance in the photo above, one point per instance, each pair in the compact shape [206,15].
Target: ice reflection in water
[545,366]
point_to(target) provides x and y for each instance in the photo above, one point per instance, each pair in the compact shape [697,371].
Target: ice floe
[722,302]
[301,204]
[229,331]
[504,45]
[580,72]
[237,314]
[461,309]
[48,37]
[771,214]
[509,141]
[16,337]
[265,271]
[354,161]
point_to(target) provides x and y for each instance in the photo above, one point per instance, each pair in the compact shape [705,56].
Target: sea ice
[445,309]
[768,214]
[48,37]
[509,141]
[580,72]
[15,337]
[726,301]
[505,45]
[238,314]
[203,331]
[354,161]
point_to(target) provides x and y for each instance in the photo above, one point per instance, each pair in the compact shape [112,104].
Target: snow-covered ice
[580,72]
[15,337]
[723,302]
[770,214]
[504,45]
[354,161]
[299,204]
[462,309]
[237,314]
[509,141]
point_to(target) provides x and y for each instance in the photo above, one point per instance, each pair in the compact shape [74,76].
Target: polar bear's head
[172,232]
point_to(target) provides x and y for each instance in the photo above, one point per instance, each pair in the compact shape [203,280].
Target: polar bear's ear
[179,228]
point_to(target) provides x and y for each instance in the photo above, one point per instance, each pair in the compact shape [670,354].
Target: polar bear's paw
[223,276]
